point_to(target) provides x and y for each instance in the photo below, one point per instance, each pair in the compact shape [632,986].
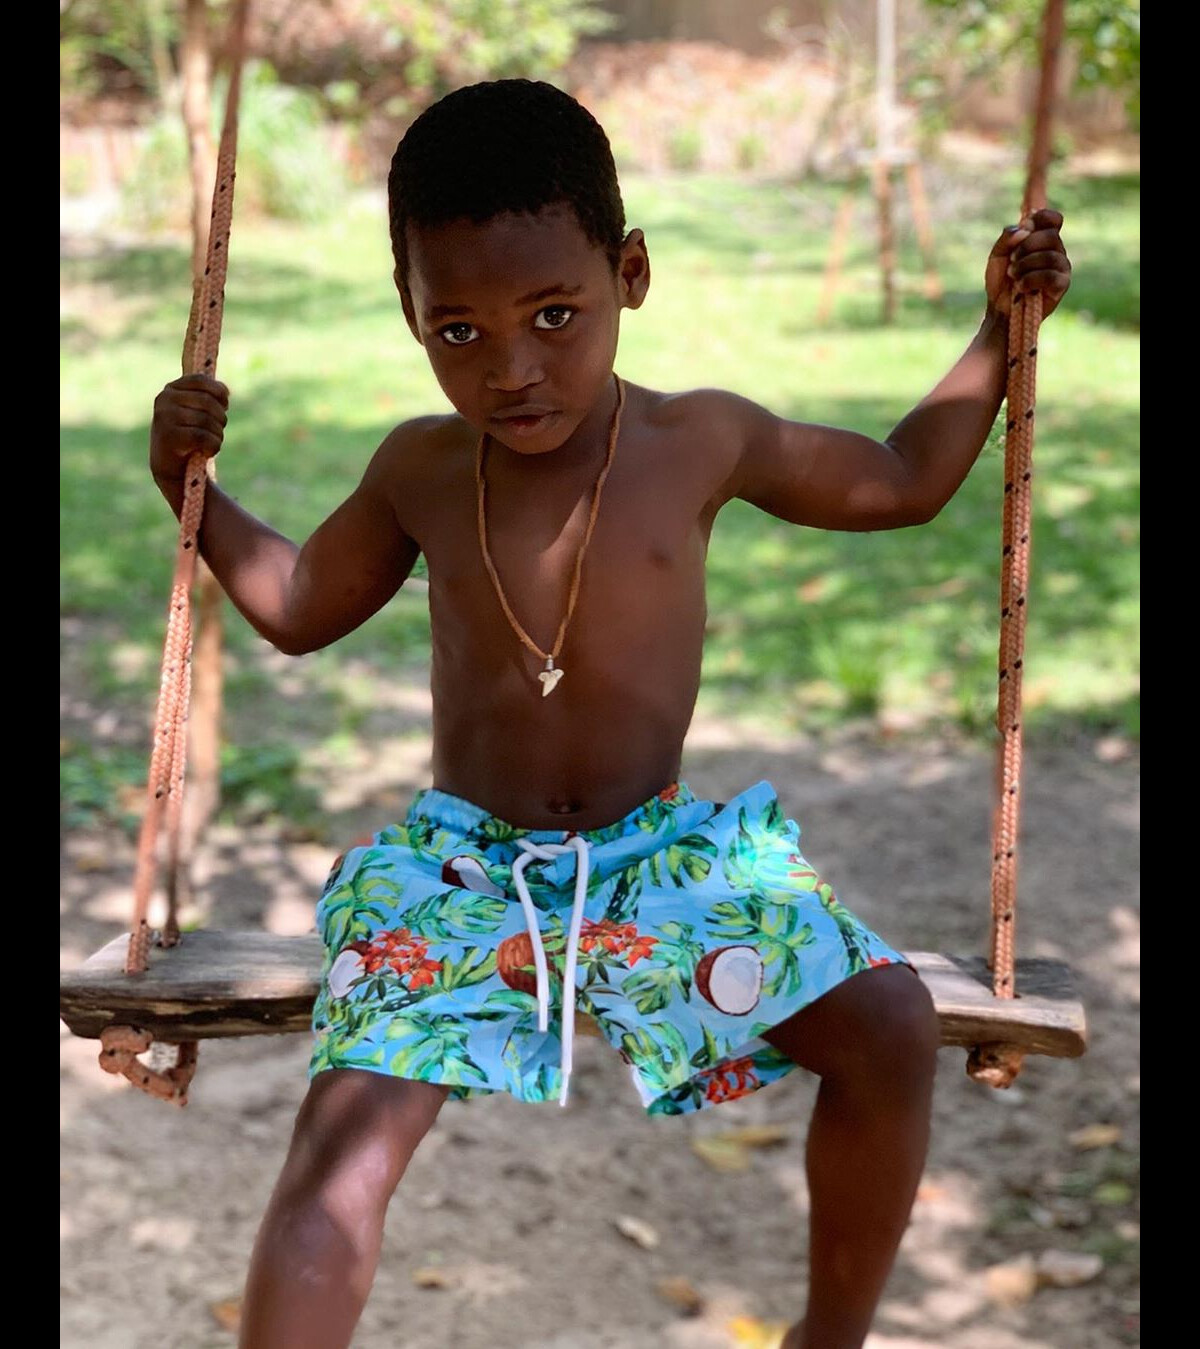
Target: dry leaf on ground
[1014,1282]
[637,1231]
[431,1276]
[681,1293]
[88,862]
[720,1154]
[756,1135]
[748,1332]
[1113,1193]
[228,1315]
[1095,1136]
[729,1150]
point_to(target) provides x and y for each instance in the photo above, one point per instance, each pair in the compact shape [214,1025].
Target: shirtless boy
[564,516]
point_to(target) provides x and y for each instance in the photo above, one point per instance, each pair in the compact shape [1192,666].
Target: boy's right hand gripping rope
[168,757]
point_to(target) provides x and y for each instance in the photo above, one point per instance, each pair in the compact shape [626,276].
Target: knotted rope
[168,757]
[998,1065]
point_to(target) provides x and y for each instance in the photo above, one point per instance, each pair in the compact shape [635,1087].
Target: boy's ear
[406,303]
[633,270]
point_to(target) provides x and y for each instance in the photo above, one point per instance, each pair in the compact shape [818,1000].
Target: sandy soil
[516,1205]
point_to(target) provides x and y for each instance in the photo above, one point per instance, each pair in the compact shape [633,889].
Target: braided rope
[120,1047]
[168,757]
[998,1065]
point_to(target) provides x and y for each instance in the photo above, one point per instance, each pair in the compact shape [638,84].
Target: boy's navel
[564,807]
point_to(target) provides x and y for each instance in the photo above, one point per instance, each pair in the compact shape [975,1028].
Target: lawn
[807,629]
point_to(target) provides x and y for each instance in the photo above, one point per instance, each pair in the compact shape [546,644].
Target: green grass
[807,628]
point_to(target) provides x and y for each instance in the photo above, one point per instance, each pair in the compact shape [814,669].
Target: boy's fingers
[1047,218]
[202,383]
[201,402]
[1039,241]
[1008,240]
[189,419]
[197,438]
[1052,281]
[1031,262]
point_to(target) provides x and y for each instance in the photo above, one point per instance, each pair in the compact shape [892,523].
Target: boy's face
[519,317]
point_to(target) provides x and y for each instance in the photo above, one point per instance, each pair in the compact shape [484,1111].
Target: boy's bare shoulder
[714,414]
[422,446]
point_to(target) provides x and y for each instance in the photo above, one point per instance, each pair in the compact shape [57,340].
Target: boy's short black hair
[499,147]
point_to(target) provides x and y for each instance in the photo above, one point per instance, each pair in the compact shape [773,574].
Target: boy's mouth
[524,420]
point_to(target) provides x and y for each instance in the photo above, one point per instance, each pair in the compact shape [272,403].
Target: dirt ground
[515,1207]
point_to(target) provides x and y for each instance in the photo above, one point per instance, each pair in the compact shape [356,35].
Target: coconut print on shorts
[703,927]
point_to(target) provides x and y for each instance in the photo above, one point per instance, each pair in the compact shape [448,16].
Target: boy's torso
[611,734]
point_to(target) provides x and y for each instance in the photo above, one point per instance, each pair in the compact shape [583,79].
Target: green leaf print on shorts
[446,917]
[689,858]
[434,1049]
[755,838]
[660,1054]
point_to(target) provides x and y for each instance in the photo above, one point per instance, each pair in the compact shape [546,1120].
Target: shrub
[685,149]
[286,164]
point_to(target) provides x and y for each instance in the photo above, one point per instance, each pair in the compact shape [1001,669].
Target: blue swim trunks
[685,931]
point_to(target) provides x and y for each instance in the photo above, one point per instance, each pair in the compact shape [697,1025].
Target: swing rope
[998,1065]
[168,758]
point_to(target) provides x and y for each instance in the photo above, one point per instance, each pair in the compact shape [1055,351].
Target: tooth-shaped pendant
[549,677]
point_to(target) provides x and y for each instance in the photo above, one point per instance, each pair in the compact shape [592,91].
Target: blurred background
[745,136]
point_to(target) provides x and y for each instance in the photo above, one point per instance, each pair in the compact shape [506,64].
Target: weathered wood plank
[219,984]
[212,985]
[1046,1017]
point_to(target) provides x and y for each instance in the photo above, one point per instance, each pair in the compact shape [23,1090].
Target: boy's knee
[881,1025]
[907,1030]
[361,1124]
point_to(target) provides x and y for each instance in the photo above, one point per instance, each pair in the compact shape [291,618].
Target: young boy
[565,518]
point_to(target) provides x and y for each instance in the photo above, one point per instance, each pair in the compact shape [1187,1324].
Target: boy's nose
[514,368]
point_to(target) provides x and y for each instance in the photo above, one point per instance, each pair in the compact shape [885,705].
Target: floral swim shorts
[685,931]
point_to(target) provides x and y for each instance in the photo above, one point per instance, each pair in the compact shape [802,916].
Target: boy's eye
[457,334]
[555,316]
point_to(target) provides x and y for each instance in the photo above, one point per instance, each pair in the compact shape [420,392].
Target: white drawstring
[547,852]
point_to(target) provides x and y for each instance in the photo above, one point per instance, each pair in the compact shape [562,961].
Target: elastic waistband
[468,820]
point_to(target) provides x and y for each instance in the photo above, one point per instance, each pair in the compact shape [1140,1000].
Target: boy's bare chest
[647,545]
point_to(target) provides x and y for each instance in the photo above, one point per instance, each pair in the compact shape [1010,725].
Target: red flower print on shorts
[730,1080]
[616,939]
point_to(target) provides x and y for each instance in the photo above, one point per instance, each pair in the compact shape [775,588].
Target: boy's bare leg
[873,1040]
[319,1242]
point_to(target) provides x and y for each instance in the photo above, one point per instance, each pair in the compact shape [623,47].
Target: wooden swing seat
[214,985]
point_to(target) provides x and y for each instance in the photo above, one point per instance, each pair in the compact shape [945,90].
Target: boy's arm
[836,479]
[299,598]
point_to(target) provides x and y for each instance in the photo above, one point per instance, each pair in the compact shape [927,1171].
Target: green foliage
[131,46]
[751,150]
[448,43]
[107,43]
[285,166]
[684,149]
[1105,36]
[98,783]
[263,782]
